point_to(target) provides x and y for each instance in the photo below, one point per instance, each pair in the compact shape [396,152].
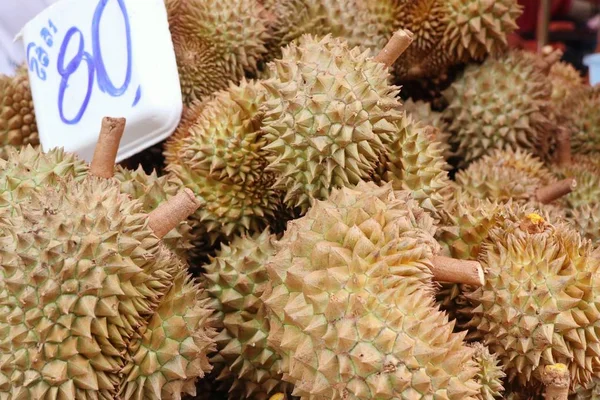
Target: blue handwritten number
[94,62]
[66,71]
[104,82]
[33,63]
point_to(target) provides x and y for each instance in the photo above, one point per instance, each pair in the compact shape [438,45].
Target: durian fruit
[565,79]
[413,160]
[287,20]
[587,174]
[223,161]
[538,305]
[82,273]
[189,115]
[586,219]
[421,111]
[173,350]
[582,108]
[216,42]
[18,125]
[328,112]
[490,373]
[503,103]
[236,278]
[505,175]
[449,32]
[350,303]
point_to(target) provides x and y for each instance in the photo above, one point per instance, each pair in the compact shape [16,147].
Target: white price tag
[94,58]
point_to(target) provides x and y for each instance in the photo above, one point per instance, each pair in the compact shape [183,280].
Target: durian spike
[550,57]
[556,190]
[563,147]
[453,270]
[170,213]
[399,42]
[105,154]
[556,379]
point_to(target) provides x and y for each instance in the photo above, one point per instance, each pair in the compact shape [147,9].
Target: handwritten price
[96,69]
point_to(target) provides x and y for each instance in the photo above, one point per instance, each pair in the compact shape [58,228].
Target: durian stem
[453,270]
[563,147]
[399,42]
[556,379]
[105,154]
[169,214]
[555,190]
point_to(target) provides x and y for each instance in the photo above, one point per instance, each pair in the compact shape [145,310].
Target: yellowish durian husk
[18,125]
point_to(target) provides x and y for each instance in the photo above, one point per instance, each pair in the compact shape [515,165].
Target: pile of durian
[363,200]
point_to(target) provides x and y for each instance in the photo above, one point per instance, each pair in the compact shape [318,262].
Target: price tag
[93,58]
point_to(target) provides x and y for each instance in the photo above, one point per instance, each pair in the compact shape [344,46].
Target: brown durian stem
[169,214]
[557,381]
[453,270]
[399,42]
[563,150]
[555,190]
[105,154]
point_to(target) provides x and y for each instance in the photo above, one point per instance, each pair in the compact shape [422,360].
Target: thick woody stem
[169,214]
[395,47]
[557,381]
[563,150]
[446,269]
[105,154]
[555,190]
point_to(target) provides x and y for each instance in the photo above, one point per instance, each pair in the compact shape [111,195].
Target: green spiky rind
[421,112]
[152,191]
[586,220]
[350,294]
[329,109]
[478,28]
[81,273]
[504,175]
[223,162]
[539,304]
[29,167]
[189,115]
[236,278]
[490,373]
[565,79]
[288,20]
[504,103]
[447,33]
[582,106]
[18,125]
[173,350]
[415,162]
[587,175]
[216,42]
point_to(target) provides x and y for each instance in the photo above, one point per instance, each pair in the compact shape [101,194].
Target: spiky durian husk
[173,350]
[152,191]
[236,278]
[29,167]
[587,175]
[350,303]
[18,125]
[223,161]
[490,374]
[505,175]
[289,19]
[453,32]
[582,108]
[79,292]
[586,220]
[504,103]
[565,79]
[329,109]
[413,161]
[589,392]
[421,112]
[539,303]
[215,41]
[189,115]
